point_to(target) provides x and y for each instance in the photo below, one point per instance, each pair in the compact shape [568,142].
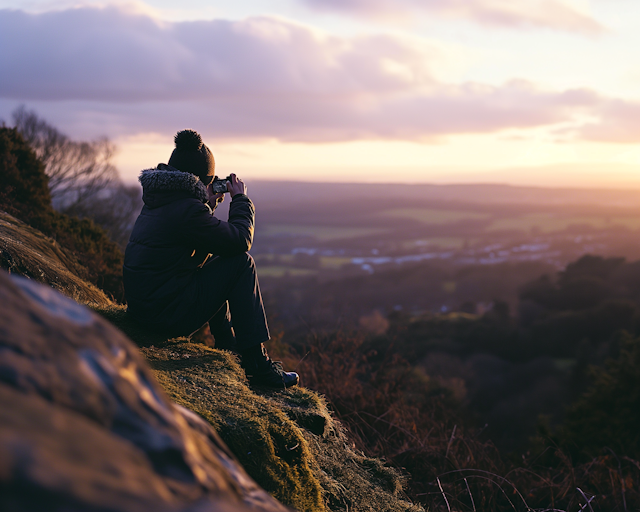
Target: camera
[219,186]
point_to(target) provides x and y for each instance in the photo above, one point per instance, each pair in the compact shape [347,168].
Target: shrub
[24,193]
[83,181]
[416,424]
[24,190]
[607,416]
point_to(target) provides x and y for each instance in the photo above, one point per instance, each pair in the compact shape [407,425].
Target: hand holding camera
[231,184]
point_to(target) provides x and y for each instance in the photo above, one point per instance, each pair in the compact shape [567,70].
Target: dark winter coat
[172,238]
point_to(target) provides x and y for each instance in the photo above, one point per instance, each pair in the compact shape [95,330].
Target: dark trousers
[229,299]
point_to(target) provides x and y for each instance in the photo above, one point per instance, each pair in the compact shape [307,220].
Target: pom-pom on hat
[192,155]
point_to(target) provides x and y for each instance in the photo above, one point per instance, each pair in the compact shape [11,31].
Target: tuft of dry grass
[28,252]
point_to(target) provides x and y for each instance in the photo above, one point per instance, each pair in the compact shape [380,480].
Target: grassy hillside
[291,444]
[286,440]
[28,252]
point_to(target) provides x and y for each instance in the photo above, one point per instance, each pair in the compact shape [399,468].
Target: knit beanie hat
[191,155]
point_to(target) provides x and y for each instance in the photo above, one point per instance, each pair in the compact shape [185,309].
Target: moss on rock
[286,440]
[262,436]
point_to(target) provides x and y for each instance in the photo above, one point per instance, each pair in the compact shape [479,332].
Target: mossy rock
[286,440]
[263,437]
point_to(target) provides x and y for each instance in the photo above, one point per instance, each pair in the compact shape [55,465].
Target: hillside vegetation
[28,252]
[287,441]
[424,394]
[24,194]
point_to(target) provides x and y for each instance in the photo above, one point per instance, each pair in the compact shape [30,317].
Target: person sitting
[183,267]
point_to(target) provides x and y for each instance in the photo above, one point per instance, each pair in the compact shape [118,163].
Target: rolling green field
[333,262]
[281,265]
[440,242]
[549,222]
[544,222]
[281,271]
[433,216]
[321,233]
[439,232]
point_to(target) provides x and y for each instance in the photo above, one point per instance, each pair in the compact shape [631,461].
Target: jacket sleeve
[205,232]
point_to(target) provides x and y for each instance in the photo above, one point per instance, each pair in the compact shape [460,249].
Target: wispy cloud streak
[552,14]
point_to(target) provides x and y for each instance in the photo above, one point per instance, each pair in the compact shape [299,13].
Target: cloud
[124,73]
[113,55]
[552,14]
[616,121]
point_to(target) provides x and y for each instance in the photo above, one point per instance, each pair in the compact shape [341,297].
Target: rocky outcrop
[84,426]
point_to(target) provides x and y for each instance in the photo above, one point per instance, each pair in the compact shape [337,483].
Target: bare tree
[82,178]
[77,171]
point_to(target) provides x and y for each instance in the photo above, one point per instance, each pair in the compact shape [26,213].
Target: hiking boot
[273,377]
[262,371]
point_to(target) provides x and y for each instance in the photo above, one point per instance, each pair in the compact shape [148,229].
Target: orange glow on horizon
[462,159]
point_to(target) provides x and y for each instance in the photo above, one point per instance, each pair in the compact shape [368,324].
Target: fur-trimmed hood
[161,183]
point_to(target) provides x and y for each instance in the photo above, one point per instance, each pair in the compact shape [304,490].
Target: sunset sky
[537,92]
